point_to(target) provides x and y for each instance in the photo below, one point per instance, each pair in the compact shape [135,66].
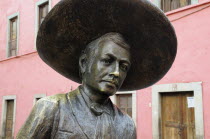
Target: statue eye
[124,67]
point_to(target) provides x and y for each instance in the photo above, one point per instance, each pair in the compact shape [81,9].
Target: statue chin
[108,90]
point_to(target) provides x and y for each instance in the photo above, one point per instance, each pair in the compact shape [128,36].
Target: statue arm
[133,131]
[133,136]
[39,124]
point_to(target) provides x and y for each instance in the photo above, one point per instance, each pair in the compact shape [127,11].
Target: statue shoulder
[57,98]
[53,99]
[125,117]
[127,123]
[42,118]
[60,97]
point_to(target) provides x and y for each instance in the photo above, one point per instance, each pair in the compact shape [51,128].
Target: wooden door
[177,119]
[9,119]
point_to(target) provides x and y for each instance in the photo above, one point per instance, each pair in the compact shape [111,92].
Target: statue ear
[82,63]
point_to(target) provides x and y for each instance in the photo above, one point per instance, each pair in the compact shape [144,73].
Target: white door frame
[196,87]
[4,114]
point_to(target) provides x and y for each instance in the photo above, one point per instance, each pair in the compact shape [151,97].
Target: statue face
[107,69]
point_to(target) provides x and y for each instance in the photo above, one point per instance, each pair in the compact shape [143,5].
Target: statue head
[71,27]
[104,63]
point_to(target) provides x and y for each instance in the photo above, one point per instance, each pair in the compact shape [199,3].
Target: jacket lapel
[84,118]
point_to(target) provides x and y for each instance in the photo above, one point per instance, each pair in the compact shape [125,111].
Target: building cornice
[18,56]
[187,10]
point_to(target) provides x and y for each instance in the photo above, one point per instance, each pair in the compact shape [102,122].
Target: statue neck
[95,96]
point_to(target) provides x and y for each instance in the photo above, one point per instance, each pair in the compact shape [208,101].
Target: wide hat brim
[72,24]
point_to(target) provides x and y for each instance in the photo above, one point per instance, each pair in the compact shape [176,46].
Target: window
[13,37]
[8,117]
[43,11]
[38,96]
[126,101]
[169,5]
[13,32]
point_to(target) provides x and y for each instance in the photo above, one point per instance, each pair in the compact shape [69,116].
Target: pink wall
[191,65]
[27,14]
[27,75]
[26,11]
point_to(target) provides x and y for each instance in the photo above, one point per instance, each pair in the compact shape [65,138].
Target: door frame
[196,87]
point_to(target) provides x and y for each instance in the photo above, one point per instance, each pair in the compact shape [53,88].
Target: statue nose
[115,71]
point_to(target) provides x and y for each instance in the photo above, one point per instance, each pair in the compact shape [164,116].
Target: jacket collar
[97,108]
[85,118]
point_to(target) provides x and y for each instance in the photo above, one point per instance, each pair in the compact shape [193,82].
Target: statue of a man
[87,112]
[78,39]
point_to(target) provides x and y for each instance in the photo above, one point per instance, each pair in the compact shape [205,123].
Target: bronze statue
[99,44]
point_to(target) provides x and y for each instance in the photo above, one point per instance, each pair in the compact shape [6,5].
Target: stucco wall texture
[26,74]
[191,65]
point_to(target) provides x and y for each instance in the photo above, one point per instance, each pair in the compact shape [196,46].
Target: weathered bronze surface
[78,39]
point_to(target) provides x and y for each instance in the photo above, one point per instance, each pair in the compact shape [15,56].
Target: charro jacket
[68,116]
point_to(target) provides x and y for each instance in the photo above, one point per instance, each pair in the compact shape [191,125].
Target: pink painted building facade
[25,77]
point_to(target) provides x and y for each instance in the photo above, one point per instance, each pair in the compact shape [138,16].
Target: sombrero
[72,24]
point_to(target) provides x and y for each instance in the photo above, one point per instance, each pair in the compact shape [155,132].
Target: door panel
[177,120]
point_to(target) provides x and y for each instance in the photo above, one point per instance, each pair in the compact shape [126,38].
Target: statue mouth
[111,83]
